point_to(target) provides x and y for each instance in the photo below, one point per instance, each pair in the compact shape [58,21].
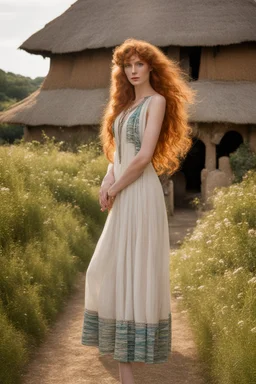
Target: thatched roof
[224,101]
[217,101]
[61,107]
[90,24]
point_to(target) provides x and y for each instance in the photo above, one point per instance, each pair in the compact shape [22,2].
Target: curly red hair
[167,79]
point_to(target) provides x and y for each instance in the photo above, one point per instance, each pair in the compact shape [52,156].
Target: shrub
[214,273]
[242,160]
[50,219]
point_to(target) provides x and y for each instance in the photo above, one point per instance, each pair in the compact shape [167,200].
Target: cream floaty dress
[127,284]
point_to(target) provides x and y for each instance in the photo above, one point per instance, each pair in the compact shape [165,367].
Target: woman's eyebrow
[138,61]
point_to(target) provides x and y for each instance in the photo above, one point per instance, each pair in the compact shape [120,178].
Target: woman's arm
[156,113]
[109,173]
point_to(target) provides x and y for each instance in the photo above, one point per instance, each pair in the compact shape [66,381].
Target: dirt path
[62,359]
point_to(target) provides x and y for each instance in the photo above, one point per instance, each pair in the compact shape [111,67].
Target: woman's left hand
[111,195]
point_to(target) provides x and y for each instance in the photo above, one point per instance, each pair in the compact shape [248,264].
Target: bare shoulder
[157,98]
[157,102]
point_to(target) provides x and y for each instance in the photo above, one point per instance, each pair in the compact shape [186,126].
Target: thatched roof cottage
[213,41]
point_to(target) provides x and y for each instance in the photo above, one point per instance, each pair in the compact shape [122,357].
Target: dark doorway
[228,144]
[187,181]
[193,165]
[190,60]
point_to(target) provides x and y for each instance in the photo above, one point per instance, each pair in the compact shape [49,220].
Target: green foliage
[214,275]
[10,132]
[14,88]
[242,160]
[50,219]
[17,87]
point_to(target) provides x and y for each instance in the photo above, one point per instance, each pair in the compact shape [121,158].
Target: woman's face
[136,70]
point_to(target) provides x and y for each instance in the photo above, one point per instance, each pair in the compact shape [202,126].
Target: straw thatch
[65,107]
[232,102]
[220,101]
[90,24]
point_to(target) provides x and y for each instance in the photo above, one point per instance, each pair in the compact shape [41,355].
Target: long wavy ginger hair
[167,79]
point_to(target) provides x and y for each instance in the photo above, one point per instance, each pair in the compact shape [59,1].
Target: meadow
[214,278]
[50,220]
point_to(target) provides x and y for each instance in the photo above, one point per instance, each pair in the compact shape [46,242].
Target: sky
[19,19]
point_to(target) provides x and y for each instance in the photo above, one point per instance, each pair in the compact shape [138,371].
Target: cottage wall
[215,62]
[84,70]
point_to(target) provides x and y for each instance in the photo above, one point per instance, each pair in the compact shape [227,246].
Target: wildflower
[240,323]
[223,309]
[185,257]
[252,232]
[253,330]
[3,189]
[237,270]
[217,225]
[227,222]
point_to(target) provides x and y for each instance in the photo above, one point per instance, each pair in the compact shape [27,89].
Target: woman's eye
[140,64]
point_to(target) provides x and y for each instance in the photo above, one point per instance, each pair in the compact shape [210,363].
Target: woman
[144,133]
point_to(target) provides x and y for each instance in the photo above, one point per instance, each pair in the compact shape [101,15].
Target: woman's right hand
[108,180]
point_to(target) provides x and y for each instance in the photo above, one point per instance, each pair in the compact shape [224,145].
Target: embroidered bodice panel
[132,127]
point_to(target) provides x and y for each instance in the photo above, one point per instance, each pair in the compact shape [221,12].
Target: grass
[214,275]
[50,220]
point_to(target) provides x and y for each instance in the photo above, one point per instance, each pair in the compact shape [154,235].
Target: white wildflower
[237,270]
[252,280]
[223,309]
[252,232]
[227,222]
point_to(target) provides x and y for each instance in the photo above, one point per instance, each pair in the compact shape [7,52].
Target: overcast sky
[19,19]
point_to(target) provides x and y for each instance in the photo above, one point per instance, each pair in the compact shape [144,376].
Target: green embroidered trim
[132,129]
[127,340]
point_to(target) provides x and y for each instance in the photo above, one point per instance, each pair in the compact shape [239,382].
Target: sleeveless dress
[127,284]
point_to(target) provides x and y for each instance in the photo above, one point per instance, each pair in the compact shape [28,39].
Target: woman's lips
[135,78]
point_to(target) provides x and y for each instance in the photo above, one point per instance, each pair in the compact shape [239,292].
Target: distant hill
[14,88]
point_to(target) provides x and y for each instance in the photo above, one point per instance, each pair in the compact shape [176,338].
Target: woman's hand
[111,195]
[104,200]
